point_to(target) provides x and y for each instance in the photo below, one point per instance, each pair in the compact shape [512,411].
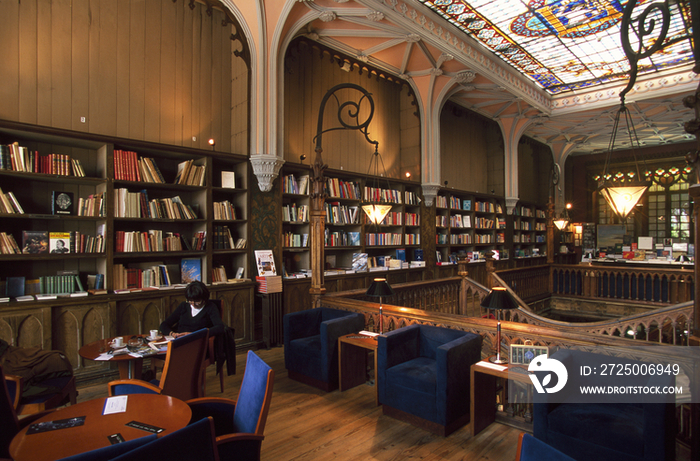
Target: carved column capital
[266,168]
[511,203]
[429,193]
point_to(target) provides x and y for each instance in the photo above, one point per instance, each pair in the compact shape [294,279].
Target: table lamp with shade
[380,288]
[499,299]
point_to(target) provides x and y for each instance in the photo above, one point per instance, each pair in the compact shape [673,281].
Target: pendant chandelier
[375,209]
[623,197]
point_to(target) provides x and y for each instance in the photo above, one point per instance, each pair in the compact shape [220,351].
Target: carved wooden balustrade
[454,295]
[646,284]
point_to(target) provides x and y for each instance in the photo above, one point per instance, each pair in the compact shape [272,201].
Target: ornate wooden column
[317,216]
[550,231]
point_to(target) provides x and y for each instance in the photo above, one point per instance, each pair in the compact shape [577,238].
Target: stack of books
[269,284]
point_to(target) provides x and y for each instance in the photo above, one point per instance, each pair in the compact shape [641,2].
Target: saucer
[116,348]
[151,338]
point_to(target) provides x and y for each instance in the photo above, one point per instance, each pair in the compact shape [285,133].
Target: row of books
[9,203]
[92,205]
[129,167]
[411,239]
[377,194]
[56,284]
[412,219]
[223,239]
[459,220]
[393,218]
[338,239]
[190,174]
[19,158]
[293,186]
[225,211]
[483,238]
[292,240]
[137,205]
[294,213]
[342,189]
[487,207]
[43,242]
[460,239]
[340,214]
[140,278]
[484,223]
[411,198]
[382,238]
[152,240]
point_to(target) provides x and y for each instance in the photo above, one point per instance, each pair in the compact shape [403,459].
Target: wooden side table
[482,406]
[352,361]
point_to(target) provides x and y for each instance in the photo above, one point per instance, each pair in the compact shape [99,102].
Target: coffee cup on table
[118,341]
[153,334]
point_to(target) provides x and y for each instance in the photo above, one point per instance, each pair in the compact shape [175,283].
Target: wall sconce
[408,175]
[302,157]
[212,143]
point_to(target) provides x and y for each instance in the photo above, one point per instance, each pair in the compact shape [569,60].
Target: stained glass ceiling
[564,45]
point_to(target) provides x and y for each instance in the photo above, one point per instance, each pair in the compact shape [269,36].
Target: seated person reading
[195,313]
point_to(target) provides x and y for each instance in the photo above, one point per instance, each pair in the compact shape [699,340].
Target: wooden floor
[307,424]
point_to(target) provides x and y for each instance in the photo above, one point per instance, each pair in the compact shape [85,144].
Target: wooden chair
[210,357]
[65,391]
[240,424]
[181,377]
[9,422]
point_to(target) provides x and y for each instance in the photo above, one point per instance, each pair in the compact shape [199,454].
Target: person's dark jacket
[181,320]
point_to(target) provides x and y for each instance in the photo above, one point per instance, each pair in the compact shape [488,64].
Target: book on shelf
[8,245]
[9,203]
[190,270]
[228,179]
[59,242]
[359,262]
[61,202]
[240,272]
[14,287]
[35,242]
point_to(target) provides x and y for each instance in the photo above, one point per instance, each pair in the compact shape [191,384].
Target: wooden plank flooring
[307,424]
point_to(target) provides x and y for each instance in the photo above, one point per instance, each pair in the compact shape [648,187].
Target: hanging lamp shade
[561,223]
[623,199]
[376,212]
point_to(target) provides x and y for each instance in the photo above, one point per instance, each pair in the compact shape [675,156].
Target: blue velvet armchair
[423,376]
[240,423]
[532,449]
[311,344]
[621,429]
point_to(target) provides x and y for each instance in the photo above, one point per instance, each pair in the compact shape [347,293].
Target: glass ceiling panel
[564,45]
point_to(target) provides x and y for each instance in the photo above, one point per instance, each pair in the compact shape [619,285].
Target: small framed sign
[522,354]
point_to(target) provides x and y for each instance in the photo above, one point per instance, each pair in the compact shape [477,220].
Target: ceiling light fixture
[377,207]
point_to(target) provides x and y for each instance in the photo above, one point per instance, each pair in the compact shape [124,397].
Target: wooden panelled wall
[534,171]
[150,70]
[310,71]
[471,151]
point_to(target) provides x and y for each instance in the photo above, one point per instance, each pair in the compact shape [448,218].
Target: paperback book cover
[190,270]
[35,242]
[59,242]
[61,202]
[265,262]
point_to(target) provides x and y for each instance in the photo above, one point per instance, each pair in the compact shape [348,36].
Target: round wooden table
[129,366]
[157,410]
